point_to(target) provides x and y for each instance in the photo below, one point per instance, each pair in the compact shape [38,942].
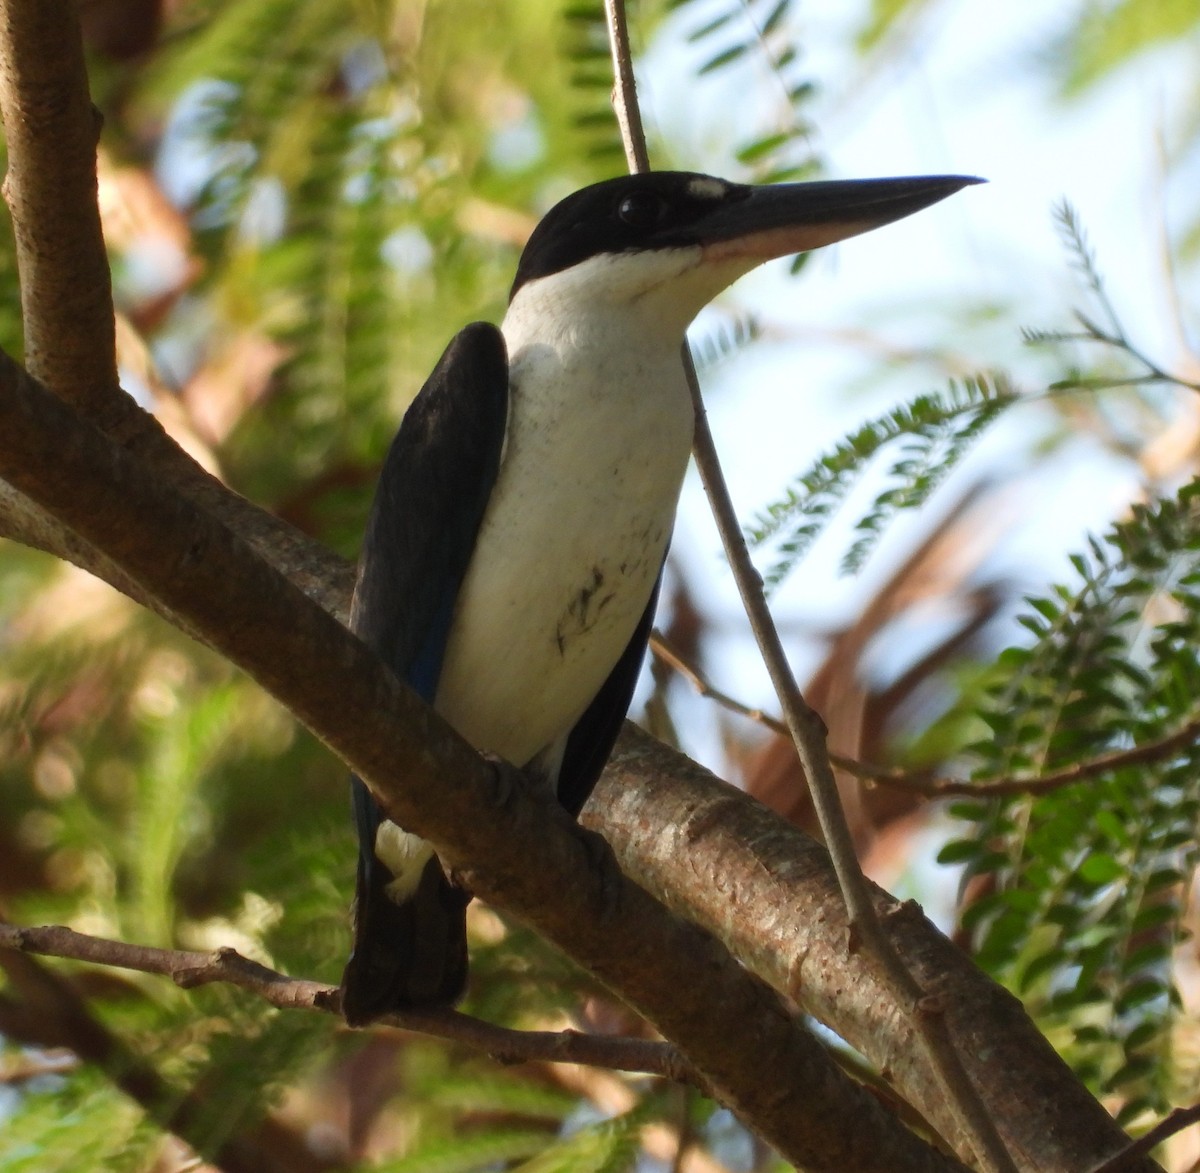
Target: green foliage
[611,1147]
[369,173]
[724,339]
[75,1122]
[495,1148]
[365,176]
[1109,35]
[758,32]
[933,433]
[888,17]
[1087,884]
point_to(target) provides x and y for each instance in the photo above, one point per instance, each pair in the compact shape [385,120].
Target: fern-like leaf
[1088,885]
[756,30]
[933,432]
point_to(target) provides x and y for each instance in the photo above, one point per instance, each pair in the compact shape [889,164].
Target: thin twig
[942,787]
[188,969]
[1118,340]
[41,1008]
[624,97]
[806,727]
[1175,1122]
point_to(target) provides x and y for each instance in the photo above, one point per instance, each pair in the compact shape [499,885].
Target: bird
[514,548]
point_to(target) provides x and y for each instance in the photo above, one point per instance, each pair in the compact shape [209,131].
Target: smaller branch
[808,733]
[624,96]
[669,655]
[806,727]
[934,787]
[1175,1122]
[1138,755]
[47,1011]
[1092,332]
[504,1045]
[189,969]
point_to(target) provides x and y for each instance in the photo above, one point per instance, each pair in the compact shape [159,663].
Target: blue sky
[969,93]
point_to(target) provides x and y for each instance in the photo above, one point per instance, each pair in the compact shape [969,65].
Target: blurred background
[930,432]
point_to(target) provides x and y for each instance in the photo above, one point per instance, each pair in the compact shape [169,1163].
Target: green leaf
[1101,869]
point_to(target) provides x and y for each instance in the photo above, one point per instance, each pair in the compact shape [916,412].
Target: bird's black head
[658,209]
[681,209]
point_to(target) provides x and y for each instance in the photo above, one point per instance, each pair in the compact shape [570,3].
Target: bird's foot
[507,780]
[602,860]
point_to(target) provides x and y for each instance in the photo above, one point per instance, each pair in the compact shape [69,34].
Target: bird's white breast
[599,431]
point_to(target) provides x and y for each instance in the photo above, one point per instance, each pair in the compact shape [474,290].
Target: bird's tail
[409,954]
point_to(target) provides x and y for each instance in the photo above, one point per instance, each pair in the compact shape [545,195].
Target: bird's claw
[602,860]
[506,779]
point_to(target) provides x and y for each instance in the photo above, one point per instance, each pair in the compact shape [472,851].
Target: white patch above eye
[707,188]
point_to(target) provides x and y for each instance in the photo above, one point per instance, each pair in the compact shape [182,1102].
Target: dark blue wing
[432,493]
[433,489]
[591,740]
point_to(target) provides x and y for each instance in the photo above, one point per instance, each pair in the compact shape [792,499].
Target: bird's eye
[641,209]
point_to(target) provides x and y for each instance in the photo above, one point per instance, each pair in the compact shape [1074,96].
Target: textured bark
[480,816]
[768,891]
[51,129]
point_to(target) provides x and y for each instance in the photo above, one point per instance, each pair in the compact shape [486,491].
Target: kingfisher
[514,549]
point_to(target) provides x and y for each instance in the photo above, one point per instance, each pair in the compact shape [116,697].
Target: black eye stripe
[656,210]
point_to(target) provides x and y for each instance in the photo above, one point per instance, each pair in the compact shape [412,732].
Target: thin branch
[1138,755]
[806,727]
[41,1008]
[190,969]
[942,787]
[1092,332]
[669,655]
[624,96]
[808,735]
[1176,1121]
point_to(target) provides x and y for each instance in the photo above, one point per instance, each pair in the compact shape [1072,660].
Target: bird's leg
[602,860]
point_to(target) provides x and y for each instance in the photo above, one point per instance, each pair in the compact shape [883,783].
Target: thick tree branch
[770,893]
[51,130]
[478,815]
[198,572]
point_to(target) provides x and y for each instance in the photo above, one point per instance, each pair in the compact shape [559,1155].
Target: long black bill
[779,219]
